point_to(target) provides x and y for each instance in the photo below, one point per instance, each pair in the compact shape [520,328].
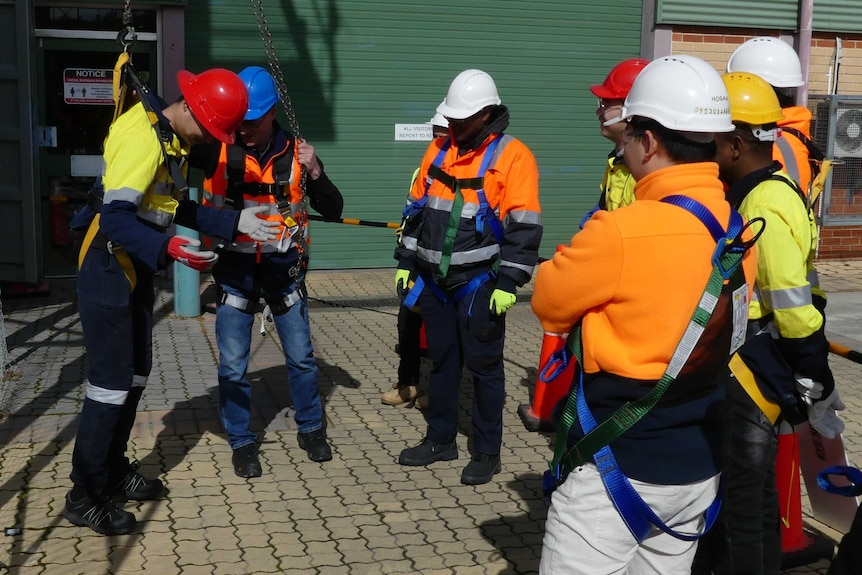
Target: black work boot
[133,485]
[314,443]
[245,461]
[97,512]
[481,469]
[428,452]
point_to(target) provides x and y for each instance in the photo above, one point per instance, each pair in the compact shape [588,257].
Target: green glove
[402,278]
[501,301]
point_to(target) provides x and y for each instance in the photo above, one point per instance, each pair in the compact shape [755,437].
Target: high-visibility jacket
[786,288]
[511,185]
[633,277]
[287,182]
[798,118]
[618,185]
[140,198]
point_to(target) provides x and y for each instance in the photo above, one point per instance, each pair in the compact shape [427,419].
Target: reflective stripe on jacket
[799,118]
[215,193]
[511,186]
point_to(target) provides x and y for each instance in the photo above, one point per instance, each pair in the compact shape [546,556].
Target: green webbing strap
[629,414]
[451,230]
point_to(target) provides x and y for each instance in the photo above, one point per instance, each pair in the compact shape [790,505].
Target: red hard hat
[217,98]
[619,80]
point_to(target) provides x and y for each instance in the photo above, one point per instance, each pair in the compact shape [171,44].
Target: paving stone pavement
[361,513]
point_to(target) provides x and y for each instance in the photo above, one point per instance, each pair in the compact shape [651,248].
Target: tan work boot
[400,395]
[422,402]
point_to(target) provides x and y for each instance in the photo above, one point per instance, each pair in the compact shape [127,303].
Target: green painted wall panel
[355,69]
[828,15]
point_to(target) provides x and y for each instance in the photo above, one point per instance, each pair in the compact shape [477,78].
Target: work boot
[314,443]
[135,486]
[245,461]
[400,394]
[481,469]
[421,402]
[97,512]
[428,452]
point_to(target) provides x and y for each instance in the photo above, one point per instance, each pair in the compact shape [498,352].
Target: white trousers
[585,535]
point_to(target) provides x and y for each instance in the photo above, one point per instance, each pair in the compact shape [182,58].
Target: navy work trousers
[118,328]
[465,333]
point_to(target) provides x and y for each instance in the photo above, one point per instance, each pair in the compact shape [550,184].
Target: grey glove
[258,229]
[809,389]
[822,416]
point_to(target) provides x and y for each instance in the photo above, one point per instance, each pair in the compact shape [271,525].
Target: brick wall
[716,44]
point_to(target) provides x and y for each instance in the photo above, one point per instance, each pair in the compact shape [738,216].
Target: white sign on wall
[88,86]
[413,133]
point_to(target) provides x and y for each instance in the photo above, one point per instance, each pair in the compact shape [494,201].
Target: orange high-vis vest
[261,185]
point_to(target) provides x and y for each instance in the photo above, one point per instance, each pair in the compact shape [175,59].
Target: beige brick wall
[715,45]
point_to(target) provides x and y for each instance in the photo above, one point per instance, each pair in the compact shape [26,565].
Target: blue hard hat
[262,91]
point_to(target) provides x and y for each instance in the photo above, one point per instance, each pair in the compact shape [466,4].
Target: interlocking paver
[361,513]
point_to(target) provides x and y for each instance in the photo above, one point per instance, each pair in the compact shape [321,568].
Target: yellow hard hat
[752,99]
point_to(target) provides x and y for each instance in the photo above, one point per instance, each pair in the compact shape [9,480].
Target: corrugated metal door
[20,256]
[356,69]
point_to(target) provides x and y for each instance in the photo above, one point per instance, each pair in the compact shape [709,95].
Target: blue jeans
[233,334]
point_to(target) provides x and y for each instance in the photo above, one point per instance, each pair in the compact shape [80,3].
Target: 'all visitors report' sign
[413,132]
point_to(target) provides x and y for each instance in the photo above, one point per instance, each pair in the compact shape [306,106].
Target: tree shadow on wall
[311,94]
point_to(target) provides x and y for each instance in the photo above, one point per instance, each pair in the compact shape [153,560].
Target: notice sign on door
[88,86]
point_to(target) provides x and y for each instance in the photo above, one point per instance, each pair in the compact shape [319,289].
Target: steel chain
[275,69]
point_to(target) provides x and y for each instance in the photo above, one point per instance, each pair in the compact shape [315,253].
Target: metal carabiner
[126,38]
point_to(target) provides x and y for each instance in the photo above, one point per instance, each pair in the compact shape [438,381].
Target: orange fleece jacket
[636,274]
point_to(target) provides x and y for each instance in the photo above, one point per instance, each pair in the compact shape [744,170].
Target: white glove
[258,229]
[808,389]
[822,416]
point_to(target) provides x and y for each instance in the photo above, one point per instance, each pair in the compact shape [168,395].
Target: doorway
[74,111]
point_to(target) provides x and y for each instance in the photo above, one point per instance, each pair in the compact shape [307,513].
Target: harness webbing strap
[790,165]
[451,230]
[595,443]
[122,257]
[458,204]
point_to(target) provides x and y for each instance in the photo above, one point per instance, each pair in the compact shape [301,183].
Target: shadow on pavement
[527,529]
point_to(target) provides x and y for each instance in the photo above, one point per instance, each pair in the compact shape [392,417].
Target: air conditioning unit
[848,130]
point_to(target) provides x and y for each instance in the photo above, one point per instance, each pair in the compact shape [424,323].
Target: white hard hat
[770,58]
[470,92]
[682,93]
[438,120]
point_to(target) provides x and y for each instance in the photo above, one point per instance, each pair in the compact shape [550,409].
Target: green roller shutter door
[828,15]
[356,69]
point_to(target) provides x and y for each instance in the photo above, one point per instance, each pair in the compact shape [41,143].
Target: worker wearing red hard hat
[618,185]
[126,243]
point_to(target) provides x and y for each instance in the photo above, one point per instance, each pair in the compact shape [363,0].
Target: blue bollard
[187,282]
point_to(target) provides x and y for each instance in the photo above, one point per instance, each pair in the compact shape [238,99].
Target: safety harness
[485,215]
[637,515]
[125,77]
[236,188]
[282,169]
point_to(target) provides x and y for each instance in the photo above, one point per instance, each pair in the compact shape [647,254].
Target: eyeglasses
[604,106]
